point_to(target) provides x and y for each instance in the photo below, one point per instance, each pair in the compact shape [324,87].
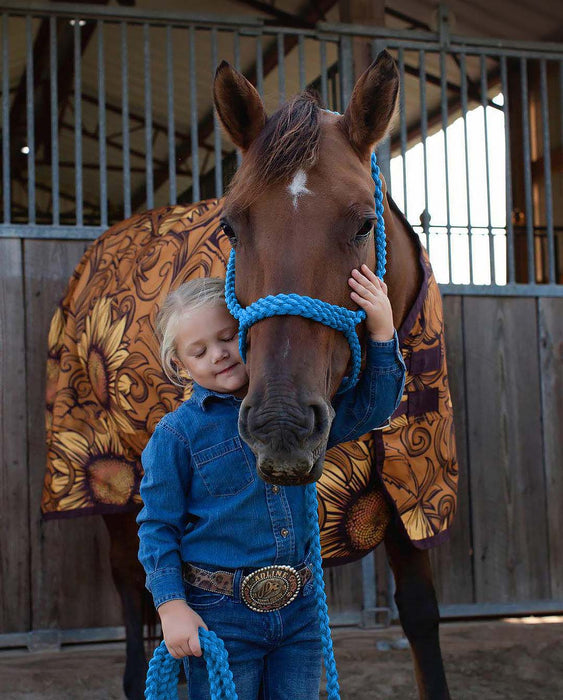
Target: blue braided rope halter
[337,317]
[162,676]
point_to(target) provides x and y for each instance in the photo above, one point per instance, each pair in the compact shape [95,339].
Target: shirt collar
[202,395]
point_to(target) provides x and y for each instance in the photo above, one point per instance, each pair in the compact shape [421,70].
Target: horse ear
[372,104]
[239,105]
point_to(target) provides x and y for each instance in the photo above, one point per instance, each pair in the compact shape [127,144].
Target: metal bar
[424,132]
[487,173]
[508,174]
[171,127]
[508,290]
[6,196]
[48,231]
[369,591]
[125,123]
[547,171]
[216,126]
[30,121]
[301,53]
[384,146]
[444,108]
[148,116]
[54,119]
[259,66]
[523,607]
[467,48]
[364,30]
[281,68]
[346,71]
[131,14]
[156,17]
[403,127]
[102,127]
[324,82]
[561,101]
[194,118]
[236,50]
[78,123]
[463,71]
[527,166]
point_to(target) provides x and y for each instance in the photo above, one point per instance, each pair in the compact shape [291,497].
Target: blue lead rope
[164,669]
[162,676]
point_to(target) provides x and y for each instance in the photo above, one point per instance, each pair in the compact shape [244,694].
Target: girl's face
[207,347]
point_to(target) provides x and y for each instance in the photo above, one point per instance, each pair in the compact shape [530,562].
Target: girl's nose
[220,354]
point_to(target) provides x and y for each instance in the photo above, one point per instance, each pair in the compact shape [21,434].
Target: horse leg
[129,578]
[418,611]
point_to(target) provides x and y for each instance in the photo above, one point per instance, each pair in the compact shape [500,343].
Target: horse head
[300,215]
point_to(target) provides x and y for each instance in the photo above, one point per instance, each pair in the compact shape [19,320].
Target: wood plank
[71,581]
[452,562]
[505,449]
[14,534]
[343,586]
[551,370]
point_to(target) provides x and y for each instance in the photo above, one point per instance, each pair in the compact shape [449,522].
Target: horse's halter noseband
[337,317]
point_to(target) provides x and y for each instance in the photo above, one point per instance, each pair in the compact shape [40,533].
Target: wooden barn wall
[505,360]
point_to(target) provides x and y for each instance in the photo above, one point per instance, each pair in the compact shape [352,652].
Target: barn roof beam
[279,17]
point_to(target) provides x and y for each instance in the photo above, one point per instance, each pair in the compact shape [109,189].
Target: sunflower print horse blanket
[106,392]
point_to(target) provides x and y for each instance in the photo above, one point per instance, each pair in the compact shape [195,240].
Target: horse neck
[404,273]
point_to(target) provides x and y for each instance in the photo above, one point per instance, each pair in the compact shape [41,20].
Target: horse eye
[364,232]
[228,231]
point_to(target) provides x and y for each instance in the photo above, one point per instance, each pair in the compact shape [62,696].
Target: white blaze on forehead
[298,186]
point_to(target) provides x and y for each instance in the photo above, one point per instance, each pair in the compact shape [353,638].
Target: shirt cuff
[384,354]
[166,584]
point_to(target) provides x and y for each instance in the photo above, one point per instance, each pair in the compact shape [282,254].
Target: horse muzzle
[289,442]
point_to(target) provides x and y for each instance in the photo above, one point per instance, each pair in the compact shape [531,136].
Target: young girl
[209,521]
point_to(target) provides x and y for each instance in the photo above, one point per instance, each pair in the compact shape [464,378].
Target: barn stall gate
[108,112]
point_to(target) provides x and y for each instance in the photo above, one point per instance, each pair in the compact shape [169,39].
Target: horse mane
[288,142]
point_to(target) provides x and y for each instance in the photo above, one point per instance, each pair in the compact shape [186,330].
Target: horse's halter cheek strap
[337,317]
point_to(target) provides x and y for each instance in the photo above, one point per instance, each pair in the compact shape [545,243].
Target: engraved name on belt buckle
[270,588]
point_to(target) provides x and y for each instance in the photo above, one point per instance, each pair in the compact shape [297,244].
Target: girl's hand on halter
[370,294]
[180,626]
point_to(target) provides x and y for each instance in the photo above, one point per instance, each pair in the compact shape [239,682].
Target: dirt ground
[519,658]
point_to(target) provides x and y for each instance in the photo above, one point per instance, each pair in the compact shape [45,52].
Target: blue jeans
[273,656]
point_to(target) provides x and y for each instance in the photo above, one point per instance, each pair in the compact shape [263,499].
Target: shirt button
[275,489]
[284,532]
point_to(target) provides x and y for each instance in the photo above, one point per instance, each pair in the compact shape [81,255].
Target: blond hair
[188,297]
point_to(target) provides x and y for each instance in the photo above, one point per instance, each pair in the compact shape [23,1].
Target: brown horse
[297,213]
[300,214]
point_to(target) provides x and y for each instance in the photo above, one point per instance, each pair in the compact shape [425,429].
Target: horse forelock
[288,142]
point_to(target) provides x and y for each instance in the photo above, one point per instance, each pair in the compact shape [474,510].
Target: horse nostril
[323,415]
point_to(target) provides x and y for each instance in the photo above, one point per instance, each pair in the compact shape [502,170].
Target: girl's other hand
[180,626]
[370,294]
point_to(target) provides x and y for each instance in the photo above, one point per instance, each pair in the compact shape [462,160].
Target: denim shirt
[203,499]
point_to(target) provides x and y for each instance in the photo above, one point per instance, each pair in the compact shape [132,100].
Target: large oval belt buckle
[270,588]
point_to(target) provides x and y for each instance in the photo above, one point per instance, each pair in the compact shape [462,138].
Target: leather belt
[263,590]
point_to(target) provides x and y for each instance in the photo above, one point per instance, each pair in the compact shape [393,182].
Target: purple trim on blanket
[416,308]
[102,509]
[434,541]
[429,360]
[419,402]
